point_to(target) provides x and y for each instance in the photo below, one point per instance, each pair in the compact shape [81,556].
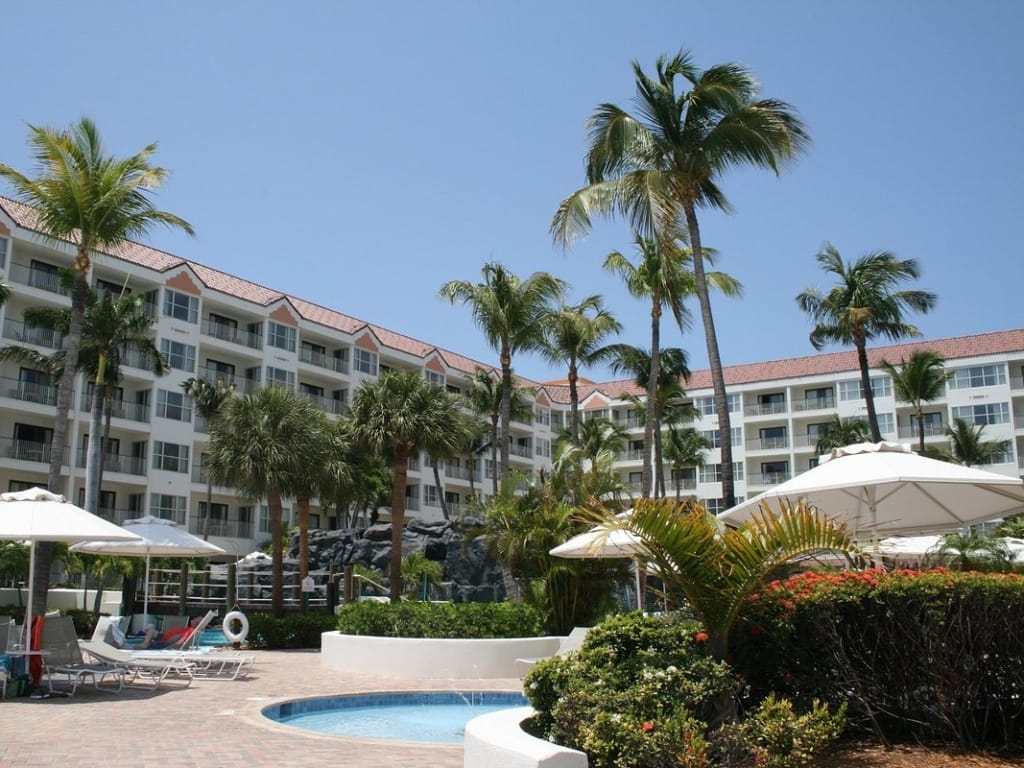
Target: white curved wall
[417,657]
[497,740]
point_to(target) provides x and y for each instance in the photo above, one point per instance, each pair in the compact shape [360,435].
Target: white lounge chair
[155,669]
[569,643]
[65,660]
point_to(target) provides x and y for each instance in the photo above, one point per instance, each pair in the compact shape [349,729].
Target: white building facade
[212,325]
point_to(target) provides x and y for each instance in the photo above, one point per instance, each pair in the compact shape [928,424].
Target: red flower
[701,637]
[756,630]
[647,727]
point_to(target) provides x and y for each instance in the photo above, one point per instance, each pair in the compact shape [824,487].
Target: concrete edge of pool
[497,740]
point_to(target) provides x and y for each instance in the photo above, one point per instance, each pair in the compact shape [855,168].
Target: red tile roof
[810,365]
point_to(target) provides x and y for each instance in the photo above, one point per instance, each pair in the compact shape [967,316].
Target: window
[31,443]
[932,423]
[989,413]
[179,356]
[106,288]
[978,376]
[814,431]
[170,457]
[340,396]
[542,415]
[181,306]
[773,437]
[886,423]
[714,506]
[281,336]
[734,402]
[217,511]
[430,496]
[850,389]
[819,397]
[311,389]
[705,406]
[3,251]
[168,507]
[452,389]
[173,405]
[774,472]
[715,436]
[36,387]
[434,378]
[281,377]
[557,421]
[711,473]
[365,361]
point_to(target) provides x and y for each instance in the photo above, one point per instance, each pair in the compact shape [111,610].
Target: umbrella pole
[639,592]
[145,595]
[27,624]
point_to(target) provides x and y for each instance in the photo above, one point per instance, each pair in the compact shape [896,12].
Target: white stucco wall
[497,740]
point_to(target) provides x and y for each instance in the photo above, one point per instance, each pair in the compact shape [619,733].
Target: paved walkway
[212,724]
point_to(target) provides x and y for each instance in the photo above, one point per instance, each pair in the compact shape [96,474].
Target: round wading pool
[439,716]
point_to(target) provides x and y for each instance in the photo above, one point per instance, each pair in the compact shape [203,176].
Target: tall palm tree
[842,432]
[487,398]
[968,447]
[865,303]
[262,444]
[209,398]
[575,336]
[95,201]
[598,436]
[510,311]
[917,381]
[402,414]
[658,166]
[685,448]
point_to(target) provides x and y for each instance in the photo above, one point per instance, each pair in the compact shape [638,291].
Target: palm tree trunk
[302,507]
[646,477]
[440,492]
[506,408]
[574,404]
[209,508]
[659,467]
[920,427]
[865,383]
[714,358]
[494,454]
[94,450]
[400,470]
[277,551]
[59,439]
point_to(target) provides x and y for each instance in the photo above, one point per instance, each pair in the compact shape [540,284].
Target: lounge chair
[155,669]
[65,660]
[569,643]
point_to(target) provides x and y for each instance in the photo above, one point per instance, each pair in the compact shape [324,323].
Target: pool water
[436,717]
[213,637]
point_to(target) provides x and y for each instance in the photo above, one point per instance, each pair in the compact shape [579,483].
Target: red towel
[35,663]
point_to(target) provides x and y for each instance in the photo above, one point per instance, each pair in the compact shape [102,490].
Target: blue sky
[358,155]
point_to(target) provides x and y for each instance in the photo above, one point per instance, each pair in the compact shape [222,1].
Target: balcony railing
[930,430]
[29,392]
[321,360]
[43,279]
[26,450]
[633,454]
[522,451]
[119,409]
[17,330]
[412,504]
[135,359]
[328,404]
[231,333]
[456,472]
[765,479]
[232,529]
[413,463]
[200,475]
[814,404]
[242,384]
[768,443]
[764,409]
[112,462]
[118,516]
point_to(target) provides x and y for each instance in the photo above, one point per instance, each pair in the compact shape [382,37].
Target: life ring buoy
[243,632]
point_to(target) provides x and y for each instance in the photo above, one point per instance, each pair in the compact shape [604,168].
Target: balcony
[413,463]
[25,450]
[228,529]
[633,454]
[135,359]
[768,443]
[242,384]
[231,333]
[126,465]
[16,330]
[815,404]
[30,393]
[327,404]
[764,409]
[521,451]
[200,475]
[320,360]
[412,504]
[768,479]
[930,430]
[456,472]
[43,279]
[119,409]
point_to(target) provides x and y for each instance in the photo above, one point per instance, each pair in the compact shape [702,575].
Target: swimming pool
[213,637]
[437,717]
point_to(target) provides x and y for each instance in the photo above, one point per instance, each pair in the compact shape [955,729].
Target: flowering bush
[776,736]
[918,655]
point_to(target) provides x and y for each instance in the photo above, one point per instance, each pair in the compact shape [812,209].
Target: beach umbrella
[155,537]
[885,488]
[37,514]
[600,543]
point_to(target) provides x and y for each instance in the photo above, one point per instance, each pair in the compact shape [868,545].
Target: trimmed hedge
[440,620]
[934,655]
[294,630]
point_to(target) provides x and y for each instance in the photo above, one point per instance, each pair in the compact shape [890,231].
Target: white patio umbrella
[599,543]
[885,488]
[37,514]
[155,537]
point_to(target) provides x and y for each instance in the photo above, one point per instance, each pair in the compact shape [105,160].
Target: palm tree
[973,550]
[209,398]
[917,381]
[402,414]
[510,312]
[95,201]
[598,436]
[487,399]
[261,444]
[656,168]
[968,447]
[841,432]
[685,448]
[574,336]
[863,305]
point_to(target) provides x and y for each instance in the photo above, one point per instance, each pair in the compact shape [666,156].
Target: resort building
[216,326]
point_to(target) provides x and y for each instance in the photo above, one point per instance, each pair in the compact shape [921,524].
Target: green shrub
[296,630]
[440,620]
[776,736]
[932,655]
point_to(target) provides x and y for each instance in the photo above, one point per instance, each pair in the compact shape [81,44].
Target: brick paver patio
[212,724]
